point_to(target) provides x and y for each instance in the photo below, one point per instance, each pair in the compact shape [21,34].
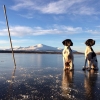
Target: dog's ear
[71,43]
[67,42]
[90,42]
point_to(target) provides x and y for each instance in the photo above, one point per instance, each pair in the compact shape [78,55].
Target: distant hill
[39,48]
[98,53]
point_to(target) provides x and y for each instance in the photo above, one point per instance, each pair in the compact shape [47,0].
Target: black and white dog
[90,56]
[68,55]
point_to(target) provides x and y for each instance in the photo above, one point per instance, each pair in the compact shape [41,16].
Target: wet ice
[49,83]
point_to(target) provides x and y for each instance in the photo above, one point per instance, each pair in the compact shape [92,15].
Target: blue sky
[49,22]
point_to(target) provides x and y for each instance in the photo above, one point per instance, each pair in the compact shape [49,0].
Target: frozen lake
[41,77]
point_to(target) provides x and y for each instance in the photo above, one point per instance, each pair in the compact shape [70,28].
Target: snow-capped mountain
[38,47]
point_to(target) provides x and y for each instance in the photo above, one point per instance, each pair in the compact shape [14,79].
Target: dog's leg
[89,65]
[84,67]
[71,65]
[64,64]
[95,65]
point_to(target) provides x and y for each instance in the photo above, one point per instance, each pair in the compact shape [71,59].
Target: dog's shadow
[67,83]
[90,84]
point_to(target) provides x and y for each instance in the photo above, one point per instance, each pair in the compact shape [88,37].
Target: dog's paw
[84,68]
[64,69]
[71,69]
[88,69]
[95,69]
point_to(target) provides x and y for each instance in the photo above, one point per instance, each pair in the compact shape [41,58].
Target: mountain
[37,48]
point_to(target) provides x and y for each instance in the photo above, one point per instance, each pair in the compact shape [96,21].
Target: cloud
[83,10]
[3,32]
[25,30]
[28,16]
[19,41]
[82,7]
[93,31]
[21,31]
[4,42]
[98,26]
[22,4]
[1,22]
[68,29]
[65,7]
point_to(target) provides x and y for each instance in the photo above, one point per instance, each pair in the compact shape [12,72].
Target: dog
[90,56]
[68,55]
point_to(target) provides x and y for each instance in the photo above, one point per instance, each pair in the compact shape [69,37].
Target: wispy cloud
[94,32]
[54,29]
[1,22]
[22,40]
[14,41]
[58,7]
[4,42]
[22,4]
[28,16]
[25,30]
[82,7]
[83,10]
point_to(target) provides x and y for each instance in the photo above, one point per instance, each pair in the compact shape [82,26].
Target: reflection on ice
[44,79]
[37,84]
[49,84]
[67,84]
[90,84]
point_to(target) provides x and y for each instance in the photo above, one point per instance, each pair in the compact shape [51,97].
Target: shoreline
[40,52]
